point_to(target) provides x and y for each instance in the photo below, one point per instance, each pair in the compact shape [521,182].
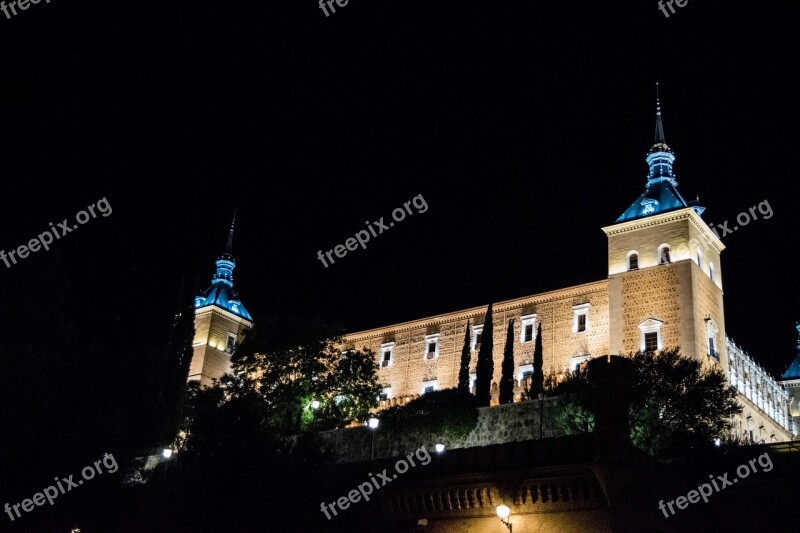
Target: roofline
[669,216]
[557,294]
[214,307]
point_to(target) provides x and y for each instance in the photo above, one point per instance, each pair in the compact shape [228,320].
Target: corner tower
[220,321]
[665,277]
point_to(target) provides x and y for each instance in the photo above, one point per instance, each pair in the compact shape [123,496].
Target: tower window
[230,346]
[581,322]
[633,261]
[711,272]
[700,259]
[664,257]
[651,342]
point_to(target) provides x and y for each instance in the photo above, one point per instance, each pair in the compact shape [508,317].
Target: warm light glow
[166,453]
[373,423]
[439,448]
[315,404]
[503,511]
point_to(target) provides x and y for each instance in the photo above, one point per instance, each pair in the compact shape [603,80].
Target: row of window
[665,258]
[527,335]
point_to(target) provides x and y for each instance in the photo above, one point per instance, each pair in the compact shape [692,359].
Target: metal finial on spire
[229,246]
[659,124]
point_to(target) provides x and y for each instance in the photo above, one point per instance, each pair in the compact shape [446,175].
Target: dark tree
[507,379]
[485,367]
[677,406]
[537,379]
[463,372]
[290,363]
[179,357]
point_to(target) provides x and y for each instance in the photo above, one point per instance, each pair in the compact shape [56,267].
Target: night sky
[523,125]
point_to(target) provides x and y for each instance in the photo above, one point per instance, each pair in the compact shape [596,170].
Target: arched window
[700,259]
[633,260]
[711,273]
[664,257]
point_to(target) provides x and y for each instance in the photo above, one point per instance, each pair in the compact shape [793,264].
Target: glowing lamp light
[373,423]
[439,448]
[717,442]
[315,404]
[166,453]
[503,511]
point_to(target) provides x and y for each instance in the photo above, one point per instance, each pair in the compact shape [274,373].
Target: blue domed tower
[220,321]
[665,278]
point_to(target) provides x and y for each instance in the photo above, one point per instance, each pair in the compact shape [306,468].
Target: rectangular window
[478,340]
[429,388]
[432,347]
[581,322]
[384,396]
[387,352]
[230,347]
[528,333]
[527,374]
[651,342]
[711,348]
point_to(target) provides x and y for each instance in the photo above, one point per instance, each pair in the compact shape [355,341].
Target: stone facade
[409,368]
[212,354]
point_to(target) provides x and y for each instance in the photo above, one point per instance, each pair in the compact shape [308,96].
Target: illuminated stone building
[664,289]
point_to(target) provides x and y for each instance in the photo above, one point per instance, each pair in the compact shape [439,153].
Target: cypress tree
[507,379]
[537,380]
[463,372]
[485,367]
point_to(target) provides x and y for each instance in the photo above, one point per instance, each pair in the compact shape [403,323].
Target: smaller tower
[220,321]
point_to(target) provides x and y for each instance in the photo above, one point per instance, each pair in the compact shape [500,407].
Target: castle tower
[665,277]
[220,321]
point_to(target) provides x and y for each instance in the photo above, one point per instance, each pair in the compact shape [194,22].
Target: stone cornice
[672,216]
[508,305]
[223,312]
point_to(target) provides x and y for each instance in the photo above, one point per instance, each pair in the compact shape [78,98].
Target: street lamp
[439,448]
[502,512]
[166,453]
[373,425]
[315,405]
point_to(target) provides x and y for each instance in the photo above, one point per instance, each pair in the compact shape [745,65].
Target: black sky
[523,125]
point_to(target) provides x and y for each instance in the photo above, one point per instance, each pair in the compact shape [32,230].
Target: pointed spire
[229,245]
[659,124]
